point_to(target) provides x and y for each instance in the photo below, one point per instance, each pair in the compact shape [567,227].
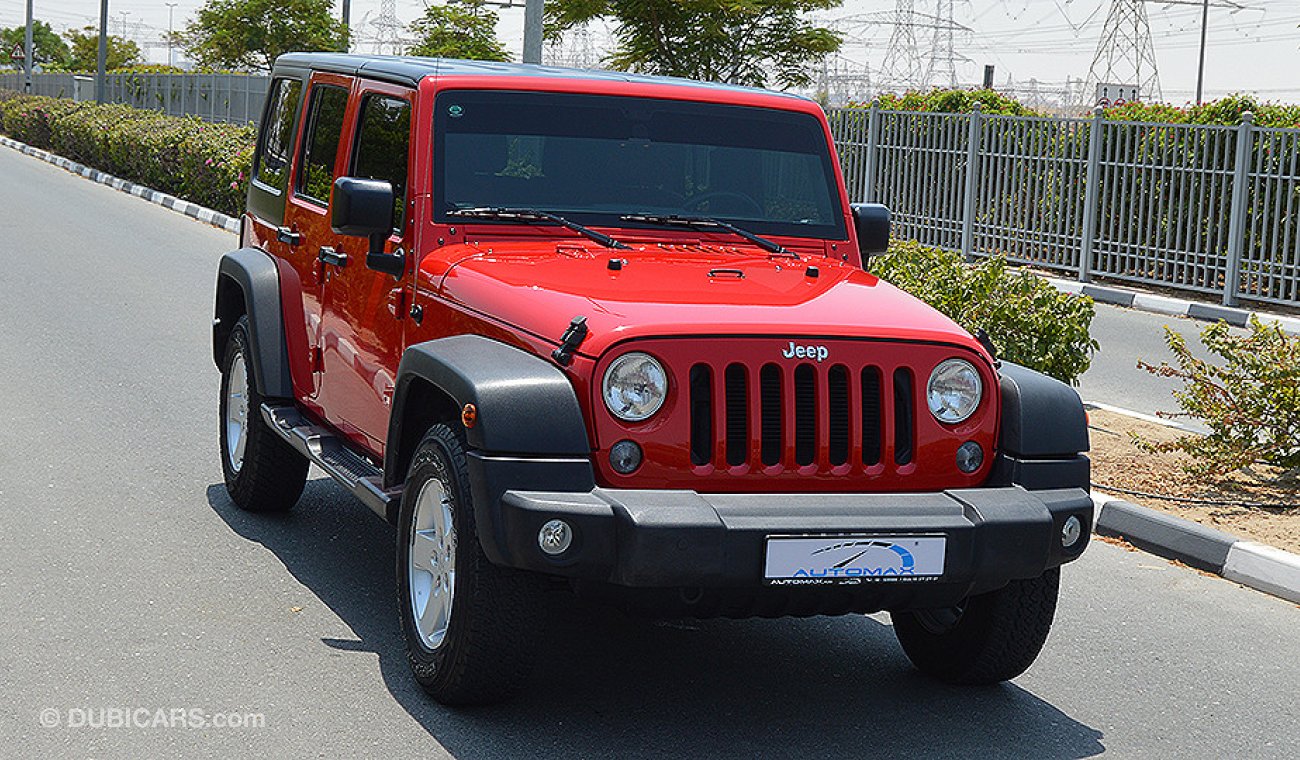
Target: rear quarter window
[276,146]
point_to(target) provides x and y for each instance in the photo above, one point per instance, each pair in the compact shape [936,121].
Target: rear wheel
[262,472]
[988,638]
[471,627]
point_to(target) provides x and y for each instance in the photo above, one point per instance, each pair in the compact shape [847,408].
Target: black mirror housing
[871,220]
[364,208]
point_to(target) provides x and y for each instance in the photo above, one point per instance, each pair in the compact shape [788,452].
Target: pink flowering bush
[207,164]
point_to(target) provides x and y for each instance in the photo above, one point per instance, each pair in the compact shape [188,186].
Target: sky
[1253,49]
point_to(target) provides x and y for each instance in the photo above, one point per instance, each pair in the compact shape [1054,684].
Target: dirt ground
[1118,463]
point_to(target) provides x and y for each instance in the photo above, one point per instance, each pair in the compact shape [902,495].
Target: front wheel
[989,638]
[471,627]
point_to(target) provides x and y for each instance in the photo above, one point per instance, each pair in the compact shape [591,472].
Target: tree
[85,50]
[748,42]
[467,30]
[50,47]
[248,35]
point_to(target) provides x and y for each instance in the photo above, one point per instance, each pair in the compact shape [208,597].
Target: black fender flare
[249,283]
[528,432]
[525,405]
[1044,433]
[1042,417]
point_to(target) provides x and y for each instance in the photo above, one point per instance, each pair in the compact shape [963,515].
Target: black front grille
[826,430]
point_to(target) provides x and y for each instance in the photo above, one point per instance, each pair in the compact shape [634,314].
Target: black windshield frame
[681,124]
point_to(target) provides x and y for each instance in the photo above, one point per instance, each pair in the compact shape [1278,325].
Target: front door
[306,214]
[364,310]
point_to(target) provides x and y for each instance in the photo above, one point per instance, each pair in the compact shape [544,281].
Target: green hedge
[1031,322]
[205,163]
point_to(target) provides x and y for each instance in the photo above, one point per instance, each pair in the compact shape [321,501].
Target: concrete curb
[192,210]
[1175,307]
[1263,568]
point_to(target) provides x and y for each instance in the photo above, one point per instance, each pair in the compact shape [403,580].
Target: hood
[665,290]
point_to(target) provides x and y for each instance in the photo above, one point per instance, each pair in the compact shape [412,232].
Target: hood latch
[569,342]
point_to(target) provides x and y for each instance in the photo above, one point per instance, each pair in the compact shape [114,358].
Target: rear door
[267,197]
[363,310]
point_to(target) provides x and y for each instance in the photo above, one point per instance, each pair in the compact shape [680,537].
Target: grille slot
[838,422]
[772,410]
[872,432]
[737,389]
[701,382]
[805,414]
[904,423]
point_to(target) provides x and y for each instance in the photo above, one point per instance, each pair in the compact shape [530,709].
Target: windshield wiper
[676,220]
[535,215]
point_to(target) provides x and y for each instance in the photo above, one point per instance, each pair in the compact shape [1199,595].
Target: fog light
[625,457]
[969,457]
[555,537]
[1070,531]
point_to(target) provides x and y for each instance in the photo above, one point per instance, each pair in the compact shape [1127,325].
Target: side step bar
[353,471]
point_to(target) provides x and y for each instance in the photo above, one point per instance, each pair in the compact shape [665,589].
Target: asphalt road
[1127,335]
[129,582]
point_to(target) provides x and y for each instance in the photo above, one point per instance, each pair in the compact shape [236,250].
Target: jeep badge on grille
[806,352]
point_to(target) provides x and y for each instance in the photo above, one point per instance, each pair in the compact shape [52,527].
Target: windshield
[595,158]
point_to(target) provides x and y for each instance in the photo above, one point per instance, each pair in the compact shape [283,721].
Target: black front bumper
[684,539]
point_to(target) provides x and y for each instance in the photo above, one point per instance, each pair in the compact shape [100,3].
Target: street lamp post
[101,58]
[29,50]
[1200,66]
[171,8]
[533,13]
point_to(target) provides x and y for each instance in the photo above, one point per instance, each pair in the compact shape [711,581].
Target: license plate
[822,560]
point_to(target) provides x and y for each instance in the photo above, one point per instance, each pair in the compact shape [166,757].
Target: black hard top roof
[409,70]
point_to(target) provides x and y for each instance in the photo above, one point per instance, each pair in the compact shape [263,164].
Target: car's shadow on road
[612,686]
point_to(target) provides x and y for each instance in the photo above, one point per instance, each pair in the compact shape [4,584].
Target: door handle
[286,235]
[331,256]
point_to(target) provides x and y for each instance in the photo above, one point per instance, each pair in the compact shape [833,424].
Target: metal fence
[1211,209]
[228,98]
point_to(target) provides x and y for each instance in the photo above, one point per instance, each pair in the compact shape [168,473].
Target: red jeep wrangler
[613,334]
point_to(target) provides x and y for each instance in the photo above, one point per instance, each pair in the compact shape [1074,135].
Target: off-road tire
[273,474]
[498,616]
[996,637]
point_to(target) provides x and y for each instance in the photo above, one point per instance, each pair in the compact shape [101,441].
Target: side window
[321,145]
[272,166]
[383,143]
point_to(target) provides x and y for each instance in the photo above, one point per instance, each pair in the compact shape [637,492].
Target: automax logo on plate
[853,559]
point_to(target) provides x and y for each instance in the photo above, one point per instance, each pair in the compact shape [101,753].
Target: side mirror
[364,208]
[871,220]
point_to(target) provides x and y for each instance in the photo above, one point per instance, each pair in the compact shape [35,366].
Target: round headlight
[635,387]
[954,390]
